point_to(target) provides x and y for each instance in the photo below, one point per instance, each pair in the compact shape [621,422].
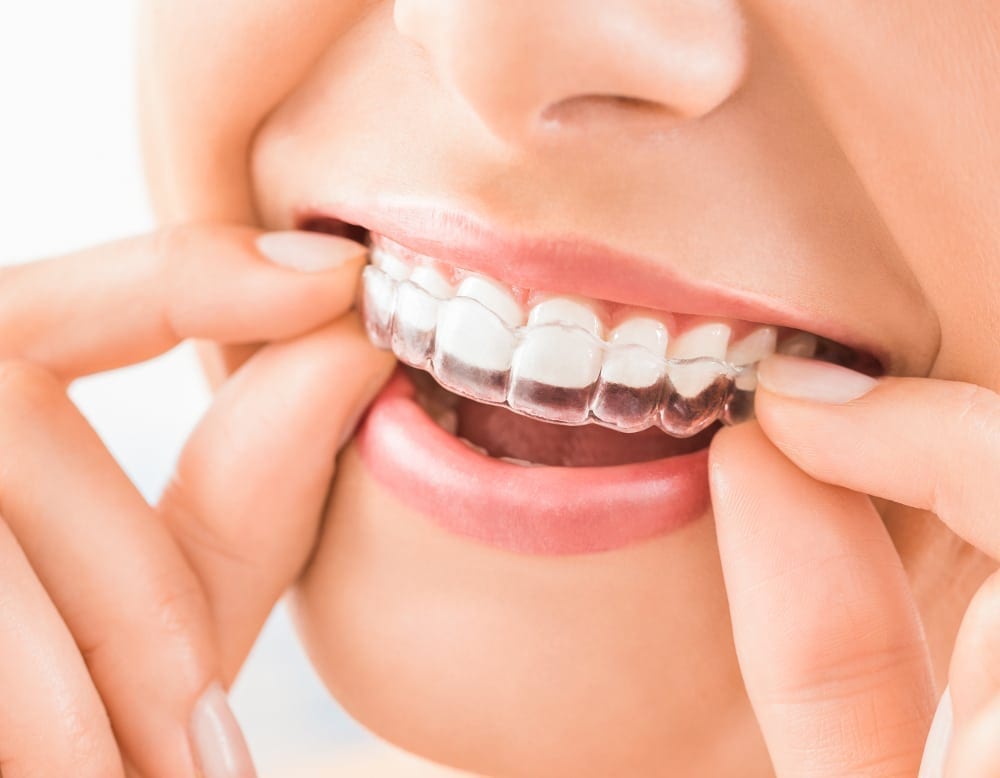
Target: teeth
[473,349]
[756,346]
[801,344]
[493,296]
[638,348]
[704,340]
[558,357]
[562,310]
[555,359]
[417,305]
[379,302]
[391,265]
[416,321]
[430,280]
[642,331]
[553,372]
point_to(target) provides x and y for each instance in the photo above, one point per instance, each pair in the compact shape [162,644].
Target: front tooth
[564,310]
[414,324]
[472,350]
[642,331]
[705,340]
[756,346]
[801,344]
[390,264]
[379,302]
[557,357]
[433,282]
[417,304]
[629,364]
[553,372]
[493,296]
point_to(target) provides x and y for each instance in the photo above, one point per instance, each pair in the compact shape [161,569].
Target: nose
[522,64]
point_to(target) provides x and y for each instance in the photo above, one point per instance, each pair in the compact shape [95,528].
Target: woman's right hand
[121,623]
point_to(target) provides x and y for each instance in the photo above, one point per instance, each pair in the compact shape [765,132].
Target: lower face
[496,661]
[571,619]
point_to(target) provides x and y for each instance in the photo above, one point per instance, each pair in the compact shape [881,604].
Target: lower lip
[527,510]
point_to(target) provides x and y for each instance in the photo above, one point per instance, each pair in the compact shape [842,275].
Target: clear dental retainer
[624,387]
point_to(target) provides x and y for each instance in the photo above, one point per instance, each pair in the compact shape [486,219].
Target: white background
[69,177]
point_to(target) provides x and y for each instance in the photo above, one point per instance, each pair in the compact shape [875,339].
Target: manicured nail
[218,743]
[810,379]
[938,740]
[310,252]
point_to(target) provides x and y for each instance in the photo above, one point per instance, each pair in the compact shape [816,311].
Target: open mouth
[532,383]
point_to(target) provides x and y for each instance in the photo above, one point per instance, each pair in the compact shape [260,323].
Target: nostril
[586,109]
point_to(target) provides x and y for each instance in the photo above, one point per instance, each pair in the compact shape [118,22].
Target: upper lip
[566,264]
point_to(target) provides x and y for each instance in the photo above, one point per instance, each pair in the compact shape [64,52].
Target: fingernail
[938,740]
[310,252]
[810,379]
[218,742]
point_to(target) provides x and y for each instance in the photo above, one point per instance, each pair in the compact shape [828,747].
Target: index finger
[827,633]
[922,442]
[127,301]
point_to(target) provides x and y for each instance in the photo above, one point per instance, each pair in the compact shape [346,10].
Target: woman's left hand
[829,638]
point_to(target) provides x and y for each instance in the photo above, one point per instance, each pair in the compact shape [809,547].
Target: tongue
[506,434]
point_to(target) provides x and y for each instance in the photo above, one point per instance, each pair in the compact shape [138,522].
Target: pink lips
[530,510]
[568,265]
[537,510]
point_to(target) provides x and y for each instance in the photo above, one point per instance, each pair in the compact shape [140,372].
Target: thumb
[827,635]
[248,494]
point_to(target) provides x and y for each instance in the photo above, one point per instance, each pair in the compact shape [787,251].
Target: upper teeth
[557,358]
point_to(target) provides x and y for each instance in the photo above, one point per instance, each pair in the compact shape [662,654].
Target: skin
[91,631]
[841,156]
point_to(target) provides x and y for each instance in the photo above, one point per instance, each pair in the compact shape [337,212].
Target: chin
[511,664]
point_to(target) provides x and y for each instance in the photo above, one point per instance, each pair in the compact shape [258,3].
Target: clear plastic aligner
[556,366]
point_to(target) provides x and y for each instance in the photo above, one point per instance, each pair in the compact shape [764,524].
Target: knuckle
[840,671]
[179,606]
[171,247]
[167,613]
[174,242]
[978,410]
[975,441]
[26,388]
[200,539]
[851,713]
[851,639]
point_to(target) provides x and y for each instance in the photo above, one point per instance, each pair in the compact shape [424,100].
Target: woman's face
[824,166]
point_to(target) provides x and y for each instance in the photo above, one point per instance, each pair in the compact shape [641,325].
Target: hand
[827,631]
[120,624]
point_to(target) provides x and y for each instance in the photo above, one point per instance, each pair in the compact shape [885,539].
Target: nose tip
[521,64]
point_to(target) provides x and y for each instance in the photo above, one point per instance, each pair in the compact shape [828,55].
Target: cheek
[507,664]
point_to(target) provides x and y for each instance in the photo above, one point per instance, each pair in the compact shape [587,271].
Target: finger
[128,301]
[974,672]
[827,635]
[250,487]
[118,579]
[975,749]
[925,443]
[51,718]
